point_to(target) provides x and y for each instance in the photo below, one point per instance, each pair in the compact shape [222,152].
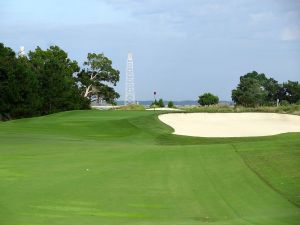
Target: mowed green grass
[125,167]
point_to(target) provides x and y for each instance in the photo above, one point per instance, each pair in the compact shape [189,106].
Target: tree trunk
[87,91]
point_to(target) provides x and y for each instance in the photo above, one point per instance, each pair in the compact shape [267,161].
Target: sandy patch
[231,124]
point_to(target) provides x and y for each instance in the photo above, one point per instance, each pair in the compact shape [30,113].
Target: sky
[181,48]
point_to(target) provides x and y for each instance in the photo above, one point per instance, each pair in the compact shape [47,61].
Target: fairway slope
[125,167]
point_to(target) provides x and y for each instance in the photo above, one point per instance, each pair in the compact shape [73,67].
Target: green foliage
[291,91]
[25,100]
[273,90]
[170,104]
[250,91]
[158,104]
[98,70]
[107,94]
[7,64]
[289,108]
[161,103]
[256,89]
[208,99]
[41,84]
[284,103]
[132,107]
[55,74]
[154,104]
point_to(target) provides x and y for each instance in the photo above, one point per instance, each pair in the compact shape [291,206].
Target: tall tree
[23,90]
[161,103]
[7,65]
[56,77]
[273,90]
[96,77]
[249,93]
[255,89]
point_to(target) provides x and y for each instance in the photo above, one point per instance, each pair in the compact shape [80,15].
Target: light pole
[154,99]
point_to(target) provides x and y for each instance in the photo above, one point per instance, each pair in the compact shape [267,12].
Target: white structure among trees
[21,51]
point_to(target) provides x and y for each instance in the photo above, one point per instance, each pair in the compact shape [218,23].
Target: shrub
[161,103]
[170,104]
[284,103]
[208,99]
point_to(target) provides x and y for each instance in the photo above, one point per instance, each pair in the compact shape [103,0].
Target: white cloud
[291,33]
[262,17]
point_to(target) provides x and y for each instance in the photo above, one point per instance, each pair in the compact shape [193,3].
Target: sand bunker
[231,124]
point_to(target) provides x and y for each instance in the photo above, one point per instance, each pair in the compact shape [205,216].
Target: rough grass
[132,107]
[291,109]
[125,167]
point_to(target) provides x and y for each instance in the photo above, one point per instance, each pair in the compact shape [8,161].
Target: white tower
[21,51]
[129,83]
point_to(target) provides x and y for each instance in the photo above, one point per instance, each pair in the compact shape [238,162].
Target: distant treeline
[256,89]
[47,81]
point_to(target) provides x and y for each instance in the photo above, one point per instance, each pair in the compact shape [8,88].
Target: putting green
[125,167]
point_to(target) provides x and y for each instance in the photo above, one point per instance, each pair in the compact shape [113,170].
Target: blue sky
[182,48]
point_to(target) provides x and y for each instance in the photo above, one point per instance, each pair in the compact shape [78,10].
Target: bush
[157,104]
[208,99]
[161,103]
[284,103]
[170,104]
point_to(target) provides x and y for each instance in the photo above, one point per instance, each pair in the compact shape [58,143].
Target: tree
[255,89]
[39,84]
[291,91]
[57,84]
[18,86]
[98,70]
[23,90]
[273,90]
[208,99]
[106,93]
[154,104]
[161,103]
[170,104]
[260,77]
[249,93]
[7,65]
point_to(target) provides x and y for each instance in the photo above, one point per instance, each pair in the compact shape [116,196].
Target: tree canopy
[44,82]
[159,103]
[256,89]
[48,81]
[170,104]
[57,84]
[95,78]
[208,99]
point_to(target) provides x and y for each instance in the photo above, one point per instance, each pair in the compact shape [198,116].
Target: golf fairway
[125,167]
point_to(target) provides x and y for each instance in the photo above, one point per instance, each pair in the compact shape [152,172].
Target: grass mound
[125,167]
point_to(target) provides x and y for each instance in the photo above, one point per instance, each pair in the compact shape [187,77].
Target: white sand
[231,124]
